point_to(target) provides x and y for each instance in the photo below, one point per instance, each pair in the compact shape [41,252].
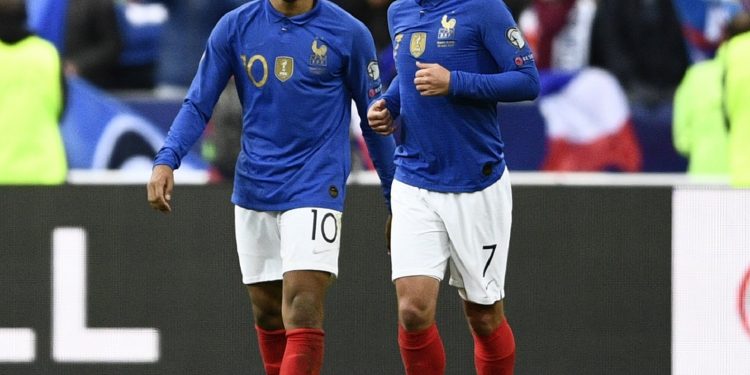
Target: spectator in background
[374,14]
[641,43]
[517,6]
[92,41]
[141,24]
[735,56]
[47,20]
[184,40]
[31,102]
[703,24]
[701,125]
[563,33]
[221,145]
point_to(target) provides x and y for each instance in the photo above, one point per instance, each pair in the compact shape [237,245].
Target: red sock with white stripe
[272,345]
[495,354]
[304,352]
[422,351]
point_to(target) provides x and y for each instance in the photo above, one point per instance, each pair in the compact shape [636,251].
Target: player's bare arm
[380,118]
[160,188]
[432,79]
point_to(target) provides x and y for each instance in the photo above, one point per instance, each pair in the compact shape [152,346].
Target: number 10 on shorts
[328,226]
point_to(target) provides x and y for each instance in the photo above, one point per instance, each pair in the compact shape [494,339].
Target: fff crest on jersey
[515,38]
[447,33]
[448,29]
[418,44]
[284,68]
[319,56]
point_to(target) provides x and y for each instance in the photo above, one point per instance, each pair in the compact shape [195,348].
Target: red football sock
[495,354]
[304,352]
[422,351]
[272,344]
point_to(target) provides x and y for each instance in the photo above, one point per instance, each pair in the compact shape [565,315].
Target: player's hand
[379,118]
[388,233]
[160,188]
[432,79]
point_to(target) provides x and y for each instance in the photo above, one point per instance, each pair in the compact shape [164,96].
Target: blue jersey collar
[275,16]
[427,3]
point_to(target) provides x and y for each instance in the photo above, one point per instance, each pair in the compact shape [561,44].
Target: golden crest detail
[448,30]
[284,68]
[320,54]
[418,44]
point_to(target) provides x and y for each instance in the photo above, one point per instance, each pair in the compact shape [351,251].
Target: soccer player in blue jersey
[297,65]
[451,197]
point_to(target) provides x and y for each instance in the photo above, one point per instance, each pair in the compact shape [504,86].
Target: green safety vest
[736,59]
[699,128]
[31,146]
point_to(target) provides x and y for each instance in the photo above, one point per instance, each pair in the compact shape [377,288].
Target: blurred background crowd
[627,86]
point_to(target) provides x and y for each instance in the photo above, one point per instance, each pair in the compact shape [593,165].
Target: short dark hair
[13,12]
[740,24]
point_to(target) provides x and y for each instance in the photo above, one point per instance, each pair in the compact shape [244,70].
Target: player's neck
[291,8]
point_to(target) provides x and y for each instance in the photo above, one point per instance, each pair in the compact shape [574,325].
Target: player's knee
[305,310]
[415,315]
[484,323]
[268,319]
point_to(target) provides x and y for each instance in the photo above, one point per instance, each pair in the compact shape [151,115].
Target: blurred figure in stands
[374,14]
[560,32]
[516,7]
[564,33]
[641,42]
[92,41]
[221,144]
[141,23]
[704,23]
[31,102]
[702,124]
[184,40]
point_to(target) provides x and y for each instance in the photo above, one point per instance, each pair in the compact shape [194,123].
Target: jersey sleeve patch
[515,38]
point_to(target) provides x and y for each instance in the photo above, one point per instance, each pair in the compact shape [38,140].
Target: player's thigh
[310,240]
[419,242]
[258,245]
[479,228]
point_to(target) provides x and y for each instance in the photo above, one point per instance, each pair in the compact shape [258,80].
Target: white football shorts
[470,232]
[271,243]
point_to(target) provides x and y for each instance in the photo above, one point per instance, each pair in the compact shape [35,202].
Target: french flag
[588,123]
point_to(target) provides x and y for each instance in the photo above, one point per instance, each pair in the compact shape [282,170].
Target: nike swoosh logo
[320,251]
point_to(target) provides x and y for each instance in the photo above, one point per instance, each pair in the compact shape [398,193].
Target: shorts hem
[260,279]
[486,300]
[415,272]
[313,267]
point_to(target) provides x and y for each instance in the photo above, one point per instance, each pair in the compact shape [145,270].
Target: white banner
[710,277]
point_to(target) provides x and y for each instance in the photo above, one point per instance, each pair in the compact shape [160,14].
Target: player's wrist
[453,83]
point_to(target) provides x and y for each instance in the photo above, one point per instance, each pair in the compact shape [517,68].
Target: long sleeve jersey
[452,143]
[296,77]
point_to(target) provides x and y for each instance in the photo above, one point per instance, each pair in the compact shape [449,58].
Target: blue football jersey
[296,78]
[452,143]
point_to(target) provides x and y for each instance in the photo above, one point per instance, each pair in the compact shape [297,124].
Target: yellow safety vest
[736,57]
[31,146]
[699,130]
